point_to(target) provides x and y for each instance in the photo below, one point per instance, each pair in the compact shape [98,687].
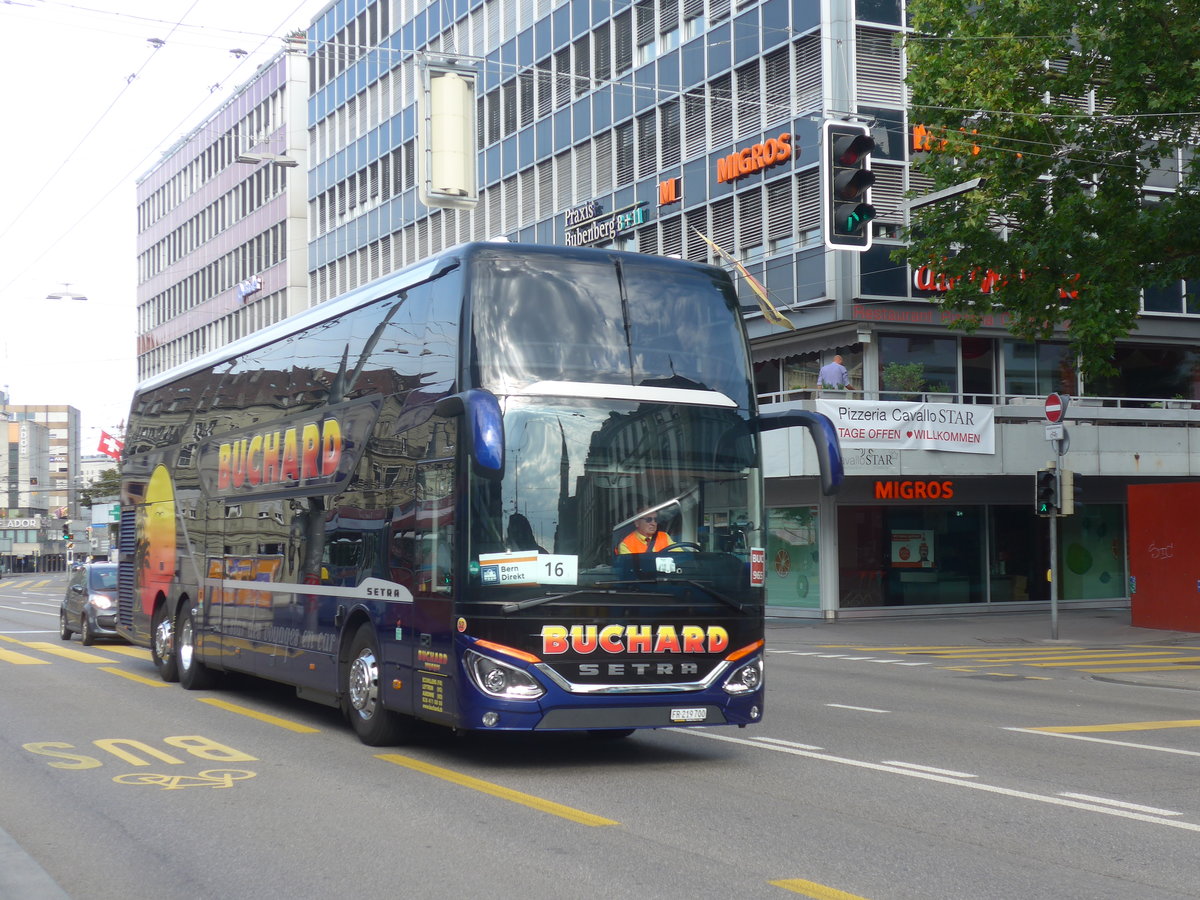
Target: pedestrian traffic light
[1046,493]
[846,185]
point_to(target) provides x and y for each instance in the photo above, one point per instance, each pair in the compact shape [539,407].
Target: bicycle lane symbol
[210,778]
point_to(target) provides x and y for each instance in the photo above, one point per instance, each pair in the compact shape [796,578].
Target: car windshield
[102,578]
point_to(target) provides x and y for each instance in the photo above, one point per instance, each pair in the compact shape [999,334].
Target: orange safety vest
[634,543]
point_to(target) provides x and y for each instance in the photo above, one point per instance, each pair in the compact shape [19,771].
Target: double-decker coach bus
[510,488]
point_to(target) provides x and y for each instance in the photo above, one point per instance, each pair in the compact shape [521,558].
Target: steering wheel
[681,545]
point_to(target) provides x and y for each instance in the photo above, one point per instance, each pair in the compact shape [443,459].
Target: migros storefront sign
[755,158]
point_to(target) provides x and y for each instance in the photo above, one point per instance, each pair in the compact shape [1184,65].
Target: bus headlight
[746,679]
[499,679]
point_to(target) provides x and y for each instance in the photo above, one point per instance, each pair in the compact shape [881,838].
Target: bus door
[435,574]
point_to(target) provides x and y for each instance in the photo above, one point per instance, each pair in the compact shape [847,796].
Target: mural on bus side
[156,537]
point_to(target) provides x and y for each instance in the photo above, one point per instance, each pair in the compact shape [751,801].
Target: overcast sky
[91,103]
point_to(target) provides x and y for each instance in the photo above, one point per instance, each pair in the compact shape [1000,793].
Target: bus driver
[645,536]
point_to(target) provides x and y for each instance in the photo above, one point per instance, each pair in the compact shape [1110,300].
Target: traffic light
[1066,492]
[1046,493]
[846,185]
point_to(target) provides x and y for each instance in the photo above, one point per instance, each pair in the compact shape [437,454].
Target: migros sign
[755,158]
[916,489]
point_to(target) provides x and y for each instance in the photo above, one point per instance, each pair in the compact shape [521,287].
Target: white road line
[1096,740]
[943,779]
[857,708]
[950,773]
[783,743]
[1137,807]
[24,609]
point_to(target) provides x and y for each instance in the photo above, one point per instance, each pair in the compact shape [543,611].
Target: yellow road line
[261,716]
[1112,654]
[126,650]
[814,890]
[476,784]
[1175,668]
[1119,726]
[67,652]
[133,676]
[1115,658]
[21,659]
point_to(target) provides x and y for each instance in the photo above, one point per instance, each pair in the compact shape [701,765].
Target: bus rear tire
[193,674]
[362,701]
[162,644]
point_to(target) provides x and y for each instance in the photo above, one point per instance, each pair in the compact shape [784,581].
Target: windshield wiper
[712,592]
[519,605]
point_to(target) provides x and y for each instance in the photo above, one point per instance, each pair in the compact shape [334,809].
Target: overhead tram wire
[137,166]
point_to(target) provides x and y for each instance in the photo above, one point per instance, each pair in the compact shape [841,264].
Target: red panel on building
[1164,534]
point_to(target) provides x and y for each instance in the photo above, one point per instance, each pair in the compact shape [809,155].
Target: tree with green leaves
[106,486]
[1081,117]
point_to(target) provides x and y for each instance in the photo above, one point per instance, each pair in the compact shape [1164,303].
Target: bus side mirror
[483,431]
[824,436]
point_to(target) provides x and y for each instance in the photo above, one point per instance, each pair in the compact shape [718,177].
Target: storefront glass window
[911,556]
[1151,372]
[800,372]
[792,574]
[1038,369]
[1092,546]
[915,364]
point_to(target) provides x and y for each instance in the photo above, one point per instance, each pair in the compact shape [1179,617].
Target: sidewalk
[1077,629]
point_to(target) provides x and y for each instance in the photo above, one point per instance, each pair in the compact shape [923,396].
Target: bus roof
[389,284]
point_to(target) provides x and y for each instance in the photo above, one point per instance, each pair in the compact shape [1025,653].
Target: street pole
[1054,577]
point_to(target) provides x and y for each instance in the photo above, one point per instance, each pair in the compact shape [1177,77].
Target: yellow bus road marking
[21,659]
[261,716]
[67,652]
[1034,660]
[952,652]
[896,649]
[133,652]
[1119,726]
[812,889]
[132,676]
[476,784]
[1115,658]
[1174,668]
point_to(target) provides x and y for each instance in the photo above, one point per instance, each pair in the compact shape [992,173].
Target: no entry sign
[1056,408]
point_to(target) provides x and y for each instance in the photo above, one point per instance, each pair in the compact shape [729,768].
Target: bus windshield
[605,320]
[582,479]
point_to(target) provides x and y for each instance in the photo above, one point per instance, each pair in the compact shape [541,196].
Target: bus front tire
[162,645]
[362,701]
[193,674]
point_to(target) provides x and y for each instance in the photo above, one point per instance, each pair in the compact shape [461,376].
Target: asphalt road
[884,772]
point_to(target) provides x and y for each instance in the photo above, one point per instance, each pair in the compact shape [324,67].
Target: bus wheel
[193,674]
[162,645]
[361,700]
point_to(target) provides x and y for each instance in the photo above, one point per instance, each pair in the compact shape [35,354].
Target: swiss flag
[110,445]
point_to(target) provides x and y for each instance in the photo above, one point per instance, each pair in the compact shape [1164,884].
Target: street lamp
[65,294]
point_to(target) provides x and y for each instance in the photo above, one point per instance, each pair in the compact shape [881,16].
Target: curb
[21,878]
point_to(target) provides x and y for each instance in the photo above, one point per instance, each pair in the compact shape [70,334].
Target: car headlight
[498,679]
[746,679]
[103,601]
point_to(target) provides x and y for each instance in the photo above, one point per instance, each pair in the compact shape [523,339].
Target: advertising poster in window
[912,549]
